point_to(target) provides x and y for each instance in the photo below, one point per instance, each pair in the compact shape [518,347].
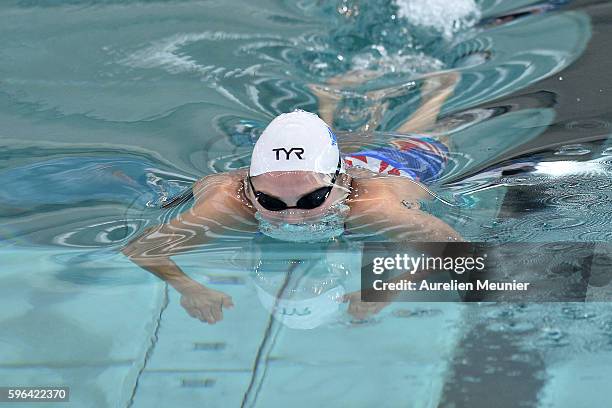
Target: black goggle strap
[331,185]
[252,186]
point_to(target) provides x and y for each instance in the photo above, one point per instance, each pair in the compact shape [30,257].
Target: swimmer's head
[296,141]
[296,163]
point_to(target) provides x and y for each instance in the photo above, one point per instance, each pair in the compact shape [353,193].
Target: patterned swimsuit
[419,158]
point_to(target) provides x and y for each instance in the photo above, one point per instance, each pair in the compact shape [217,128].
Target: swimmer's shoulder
[383,187]
[219,182]
[221,197]
[225,189]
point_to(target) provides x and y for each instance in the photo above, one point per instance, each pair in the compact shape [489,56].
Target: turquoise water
[110,107]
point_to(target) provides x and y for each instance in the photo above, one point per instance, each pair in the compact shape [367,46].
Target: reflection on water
[245,77]
[110,108]
[550,196]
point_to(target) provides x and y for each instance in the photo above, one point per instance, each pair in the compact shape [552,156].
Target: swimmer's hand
[361,310]
[205,304]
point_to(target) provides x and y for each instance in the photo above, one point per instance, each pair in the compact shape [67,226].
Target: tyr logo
[297,150]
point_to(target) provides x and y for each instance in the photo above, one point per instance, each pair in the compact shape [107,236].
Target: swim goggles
[307,202]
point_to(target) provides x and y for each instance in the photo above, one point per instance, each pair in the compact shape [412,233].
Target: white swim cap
[298,140]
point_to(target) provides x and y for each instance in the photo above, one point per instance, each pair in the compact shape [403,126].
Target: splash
[381,61]
[166,54]
[443,16]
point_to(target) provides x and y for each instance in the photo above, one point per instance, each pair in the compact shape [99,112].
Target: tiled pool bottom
[133,345]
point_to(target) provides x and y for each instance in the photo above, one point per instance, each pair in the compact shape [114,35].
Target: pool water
[110,108]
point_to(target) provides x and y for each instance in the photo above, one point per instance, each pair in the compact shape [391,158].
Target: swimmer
[300,187]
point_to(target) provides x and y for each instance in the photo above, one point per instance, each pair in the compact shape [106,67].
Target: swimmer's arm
[219,214]
[361,309]
[401,224]
[396,222]
[154,247]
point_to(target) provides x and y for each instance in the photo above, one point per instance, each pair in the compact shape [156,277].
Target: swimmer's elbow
[132,251]
[137,248]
